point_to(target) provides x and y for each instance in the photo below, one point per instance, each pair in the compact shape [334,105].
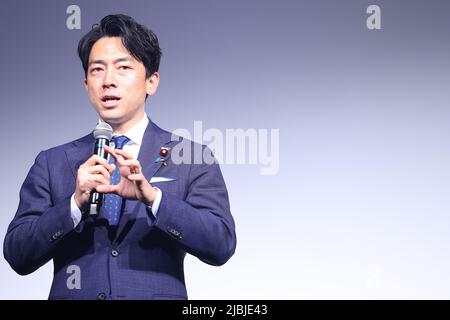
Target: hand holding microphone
[94,172]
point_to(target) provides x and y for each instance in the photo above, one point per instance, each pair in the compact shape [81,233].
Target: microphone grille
[103,130]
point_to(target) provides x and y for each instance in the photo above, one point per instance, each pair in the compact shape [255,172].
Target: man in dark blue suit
[164,208]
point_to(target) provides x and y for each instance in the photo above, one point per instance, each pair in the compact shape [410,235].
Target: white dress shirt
[135,134]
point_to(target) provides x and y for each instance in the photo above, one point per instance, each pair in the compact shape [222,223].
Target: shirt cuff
[155,206]
[75,212]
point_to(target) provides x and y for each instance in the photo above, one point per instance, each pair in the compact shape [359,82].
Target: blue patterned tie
[112,203]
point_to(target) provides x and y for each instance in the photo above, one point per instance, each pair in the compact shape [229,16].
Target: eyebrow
[103,62]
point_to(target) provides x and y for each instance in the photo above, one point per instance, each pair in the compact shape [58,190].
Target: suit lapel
[153,140]
[80,151]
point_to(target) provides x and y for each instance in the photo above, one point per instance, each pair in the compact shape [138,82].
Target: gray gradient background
[360,206]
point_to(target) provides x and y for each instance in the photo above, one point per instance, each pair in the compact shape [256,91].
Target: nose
[109,79]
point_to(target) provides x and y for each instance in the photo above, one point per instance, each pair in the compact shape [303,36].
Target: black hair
[140,41]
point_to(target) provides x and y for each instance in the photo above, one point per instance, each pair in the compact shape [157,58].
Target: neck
[121,128]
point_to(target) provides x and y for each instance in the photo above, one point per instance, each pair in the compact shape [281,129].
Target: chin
[111,118]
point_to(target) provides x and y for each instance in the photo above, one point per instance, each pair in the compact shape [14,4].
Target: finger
[131,162]
[95,159]
[99,179]
[124,153]
[137,178]
[133,165]
[107,188]
[100,169]
[89,162]
[113,153]
[100,160]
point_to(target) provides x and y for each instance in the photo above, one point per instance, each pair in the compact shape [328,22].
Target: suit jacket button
[114,253]
[101,296]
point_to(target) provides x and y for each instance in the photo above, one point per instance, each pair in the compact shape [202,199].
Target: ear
[85,84]
[151,83]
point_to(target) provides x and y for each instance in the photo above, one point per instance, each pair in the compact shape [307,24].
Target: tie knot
[120,141]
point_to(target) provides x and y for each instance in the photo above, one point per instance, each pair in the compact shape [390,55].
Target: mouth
[110,100]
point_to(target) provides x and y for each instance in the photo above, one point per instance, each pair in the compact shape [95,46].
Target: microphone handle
[96,198]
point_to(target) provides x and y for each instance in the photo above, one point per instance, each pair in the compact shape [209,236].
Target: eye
[96,70]
[124,67]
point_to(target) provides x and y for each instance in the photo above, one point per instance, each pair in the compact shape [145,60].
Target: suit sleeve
[39,224]
[202,223]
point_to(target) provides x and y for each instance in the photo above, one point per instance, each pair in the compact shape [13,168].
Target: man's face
[116,83]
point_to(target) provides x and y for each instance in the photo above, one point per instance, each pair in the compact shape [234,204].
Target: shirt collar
[136,133]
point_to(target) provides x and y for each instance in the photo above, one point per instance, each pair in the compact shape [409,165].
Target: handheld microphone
[102,134]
